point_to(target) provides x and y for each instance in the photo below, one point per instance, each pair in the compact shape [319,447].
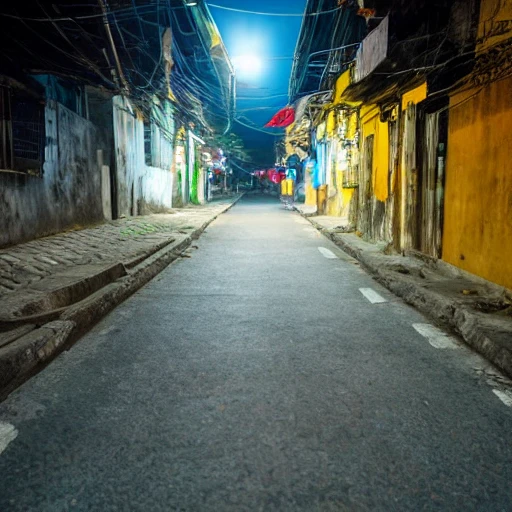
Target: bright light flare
[247,65]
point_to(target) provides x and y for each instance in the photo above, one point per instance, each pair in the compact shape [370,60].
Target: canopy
[285,117]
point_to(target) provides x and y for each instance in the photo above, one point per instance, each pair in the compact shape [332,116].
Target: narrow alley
[267,371]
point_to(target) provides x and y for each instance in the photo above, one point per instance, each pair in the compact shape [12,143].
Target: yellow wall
[308,185]
[339,205]
[415,95]
[371,125]
[331,123]
[288,147]
[495,23]
[341,84]
[310,195]
[478,198]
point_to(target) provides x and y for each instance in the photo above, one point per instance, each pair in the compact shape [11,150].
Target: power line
[81,58]
[132,11]
[253,98]
[284,15]
[238,167]
[257,129]
[257,108]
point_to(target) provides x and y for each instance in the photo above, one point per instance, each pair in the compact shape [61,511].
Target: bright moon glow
[247,64]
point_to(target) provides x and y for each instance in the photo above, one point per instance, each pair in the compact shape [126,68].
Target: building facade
[411,147]
[90,125]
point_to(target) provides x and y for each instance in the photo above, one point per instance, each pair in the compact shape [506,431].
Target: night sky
[272,39]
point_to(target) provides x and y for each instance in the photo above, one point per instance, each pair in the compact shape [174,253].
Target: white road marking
[504,396]
[372,295]
[327,254]
[436,337]
[8,433]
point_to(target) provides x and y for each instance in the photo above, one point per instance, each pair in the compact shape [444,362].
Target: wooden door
[366,189]
[431,192]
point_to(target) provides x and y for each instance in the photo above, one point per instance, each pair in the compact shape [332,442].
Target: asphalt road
[256,375]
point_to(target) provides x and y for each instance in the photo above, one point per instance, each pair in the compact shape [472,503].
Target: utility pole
[113,45]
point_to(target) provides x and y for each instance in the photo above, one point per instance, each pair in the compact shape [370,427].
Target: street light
[247,65]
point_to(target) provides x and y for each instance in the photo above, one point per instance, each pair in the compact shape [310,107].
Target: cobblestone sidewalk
[120,240]
[54,289]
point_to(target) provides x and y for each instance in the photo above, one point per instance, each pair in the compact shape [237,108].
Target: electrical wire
[149,85]
[300,46]
[180,83]
[189,79]
[226,95]
[196,83]
[259,108]
[214,100]
[126,10]
[252,98]
[284,15]
[257,129]
[238,167]
[157,62]
[91,65]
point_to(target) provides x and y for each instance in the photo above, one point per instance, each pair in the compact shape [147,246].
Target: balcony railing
[372,51]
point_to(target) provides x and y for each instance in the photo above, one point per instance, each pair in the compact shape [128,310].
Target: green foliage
[180,189]
[195,180]
[231,144]
[138,229]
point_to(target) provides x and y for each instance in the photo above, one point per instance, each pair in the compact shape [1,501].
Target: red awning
[285,117]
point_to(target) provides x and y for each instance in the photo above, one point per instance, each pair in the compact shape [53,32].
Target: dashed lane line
[436,337]
[8,433]
[372,295]
[326,253]
[504,396]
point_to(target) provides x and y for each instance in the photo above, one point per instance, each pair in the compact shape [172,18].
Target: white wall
[141,189]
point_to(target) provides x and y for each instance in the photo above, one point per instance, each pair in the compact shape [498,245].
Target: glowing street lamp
[247,64]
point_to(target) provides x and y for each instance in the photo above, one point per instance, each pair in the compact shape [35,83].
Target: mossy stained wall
[478,197]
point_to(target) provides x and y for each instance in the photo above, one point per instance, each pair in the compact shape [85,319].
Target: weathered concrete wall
[106,192]
[129,149]
[69,192]
[101,115]
[156,182]
[155,189]
[140,189]
[478,197]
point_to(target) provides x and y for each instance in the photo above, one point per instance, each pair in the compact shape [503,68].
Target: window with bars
[22,132]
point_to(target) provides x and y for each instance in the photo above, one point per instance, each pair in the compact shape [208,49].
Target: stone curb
[473,327]
[24,357]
